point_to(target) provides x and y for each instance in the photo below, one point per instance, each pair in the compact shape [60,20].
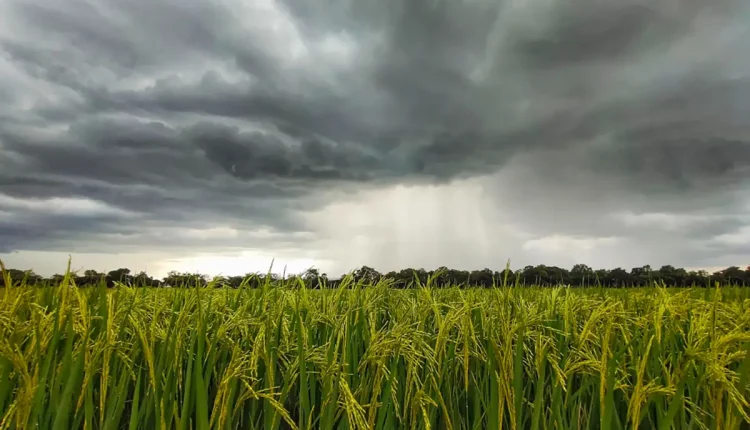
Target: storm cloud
[572,123]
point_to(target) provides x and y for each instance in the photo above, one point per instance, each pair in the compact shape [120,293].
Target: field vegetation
[367,356]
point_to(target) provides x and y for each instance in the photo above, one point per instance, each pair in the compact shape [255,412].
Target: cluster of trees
[87,277]
[578,275]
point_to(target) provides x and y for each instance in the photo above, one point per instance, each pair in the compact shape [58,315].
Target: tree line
[541,275]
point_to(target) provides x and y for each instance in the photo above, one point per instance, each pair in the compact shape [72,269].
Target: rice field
[371,357]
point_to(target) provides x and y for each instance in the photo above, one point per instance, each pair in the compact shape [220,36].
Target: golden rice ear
[7,281]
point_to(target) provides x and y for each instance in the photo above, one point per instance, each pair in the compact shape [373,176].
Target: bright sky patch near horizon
[218,135]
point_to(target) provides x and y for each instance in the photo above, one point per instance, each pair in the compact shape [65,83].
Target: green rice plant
[372,357]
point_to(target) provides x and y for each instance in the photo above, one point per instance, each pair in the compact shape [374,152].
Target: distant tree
[392,275]
[733,275]
[535,275]
[680,276]
[31,277]
[143,280]
[366,274]
[90,278]
[505,277]
[185,279]
[700,278]
[601,277]
[581,274]
[441,276]
[25,277]
[618,277]
[718,276]
[481,278]
[526,275]
[313,278]
[541,273]
[641,276]
[421,274]
[558,275]
[121,275]
[665,274]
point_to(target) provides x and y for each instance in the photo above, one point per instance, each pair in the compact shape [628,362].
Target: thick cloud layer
[617,123]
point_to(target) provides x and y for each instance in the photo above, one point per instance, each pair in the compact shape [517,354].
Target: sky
[219,135]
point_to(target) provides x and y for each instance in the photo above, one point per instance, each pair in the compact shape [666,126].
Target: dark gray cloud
[252,114]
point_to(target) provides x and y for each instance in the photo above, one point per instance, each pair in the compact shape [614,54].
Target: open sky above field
[215,135]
